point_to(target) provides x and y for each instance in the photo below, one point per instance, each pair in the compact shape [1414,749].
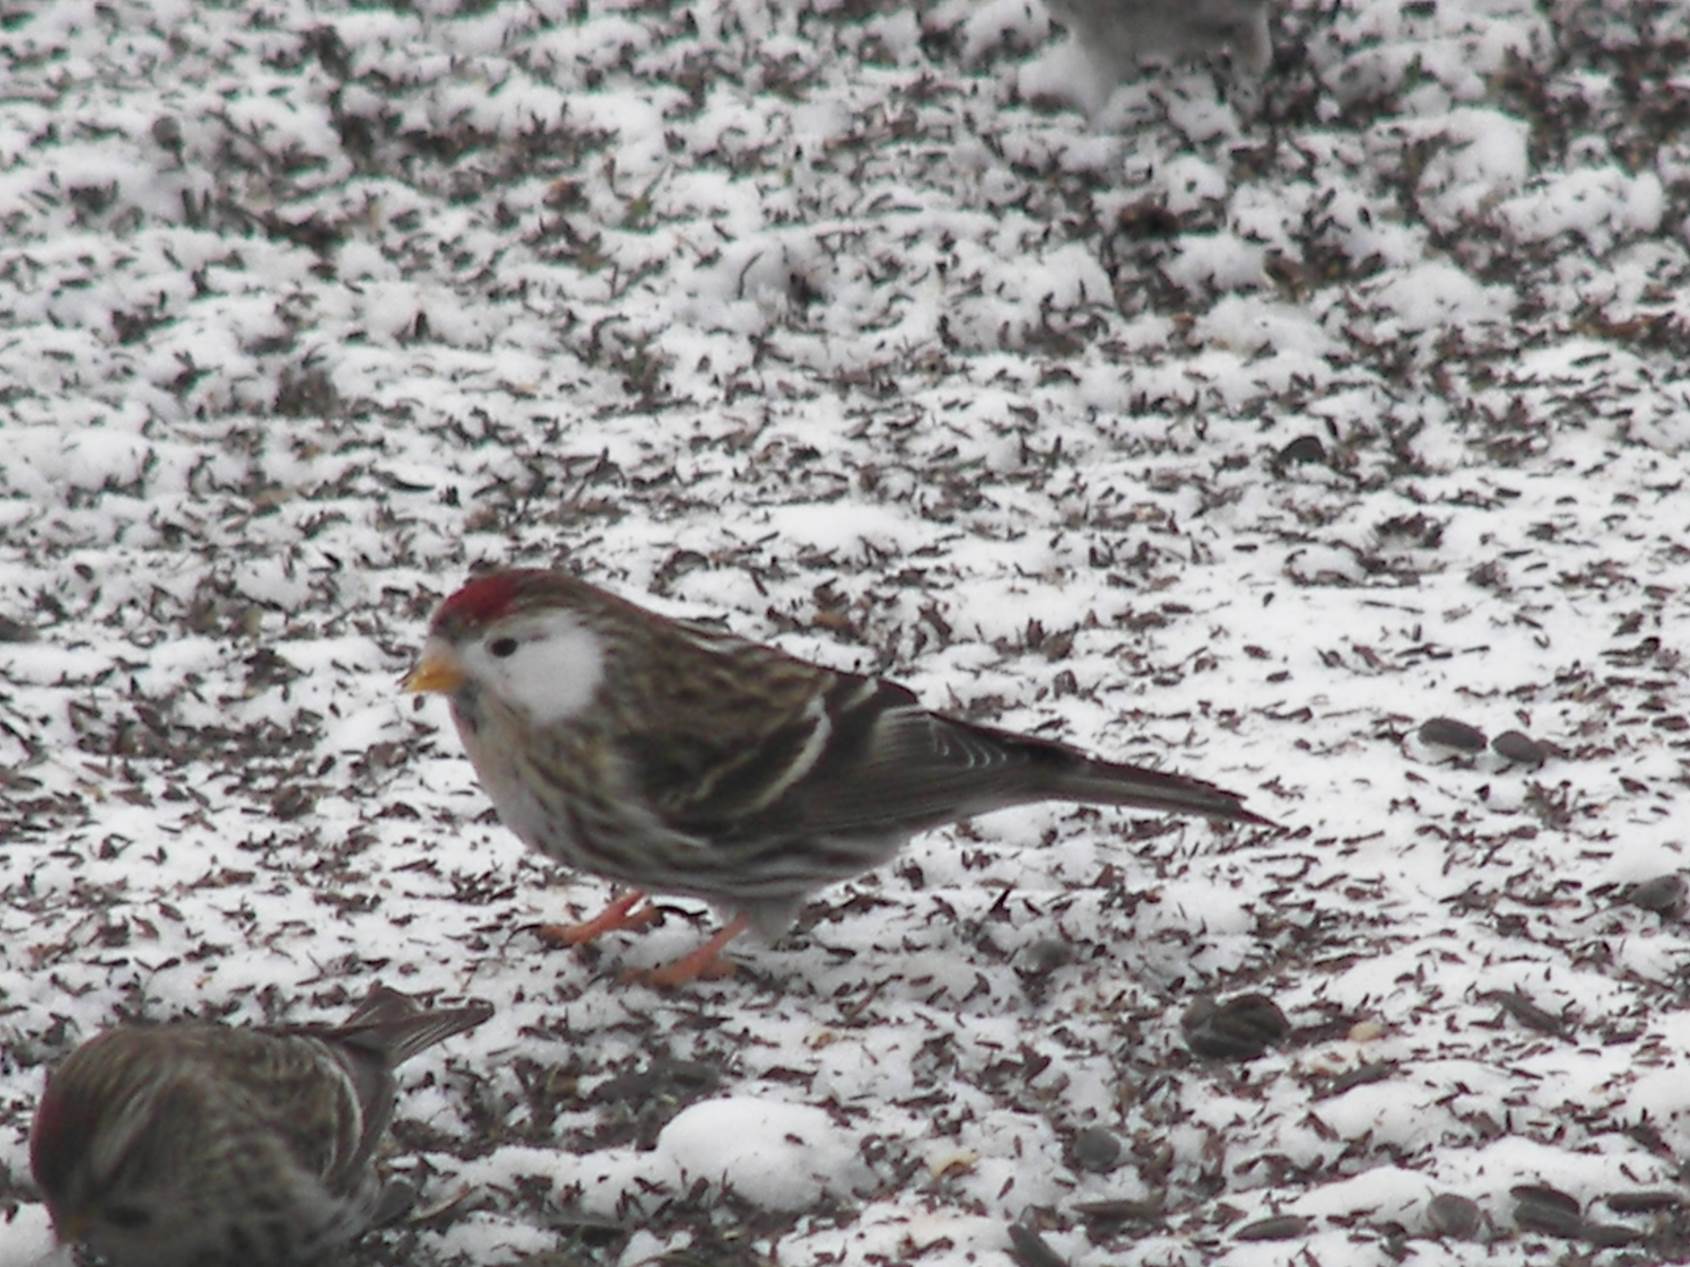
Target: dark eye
[128,1217]
[502,647]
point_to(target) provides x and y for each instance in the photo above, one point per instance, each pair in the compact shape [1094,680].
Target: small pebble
[1361,1076]
[1644,1202]
[1450,733]
[1028,1249]
[166,133]
[1608,1235]
[1097,1150]
[1664,894]
[1240,1028]
[1452,1215]
[1047,955]
[1121,1209]
[1529,1014]
[1540,1208]
[1282,1227]
[1519,747]
[1302,449]
[1147,219]
[1543,1194]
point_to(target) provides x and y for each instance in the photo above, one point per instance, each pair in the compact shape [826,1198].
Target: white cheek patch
[555,671]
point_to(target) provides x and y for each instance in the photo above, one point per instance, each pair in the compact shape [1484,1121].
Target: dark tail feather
[1058,772]
[1106,783]
[391,1024]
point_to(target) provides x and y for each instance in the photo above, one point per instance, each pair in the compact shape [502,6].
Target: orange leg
[703,964]
[614,918]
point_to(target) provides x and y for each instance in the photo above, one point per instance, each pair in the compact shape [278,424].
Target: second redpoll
[202,1145]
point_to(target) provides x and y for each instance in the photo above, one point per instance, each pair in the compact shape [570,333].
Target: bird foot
[619,916]
[683,971]
[704,964]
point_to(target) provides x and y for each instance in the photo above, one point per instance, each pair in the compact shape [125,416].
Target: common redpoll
[1116,34]
[204,1145]
[672,757]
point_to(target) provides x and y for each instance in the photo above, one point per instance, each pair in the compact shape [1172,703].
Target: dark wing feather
[911,769]
[742,777]
[892,768]
[386,1030]
[736,744]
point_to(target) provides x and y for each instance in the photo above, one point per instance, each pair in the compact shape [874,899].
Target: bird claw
[683,971]
[619,916]
[704,964]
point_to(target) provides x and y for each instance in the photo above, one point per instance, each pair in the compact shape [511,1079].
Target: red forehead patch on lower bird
[484,599]
[58,1136]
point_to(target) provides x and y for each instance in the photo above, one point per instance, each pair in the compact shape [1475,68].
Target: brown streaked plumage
[203,1145]
[673,758]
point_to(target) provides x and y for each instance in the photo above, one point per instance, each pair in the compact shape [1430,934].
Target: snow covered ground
[1243,429]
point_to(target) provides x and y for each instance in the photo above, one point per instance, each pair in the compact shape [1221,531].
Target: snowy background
[1238,428]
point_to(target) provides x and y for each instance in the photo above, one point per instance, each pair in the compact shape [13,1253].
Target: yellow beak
[436,672]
